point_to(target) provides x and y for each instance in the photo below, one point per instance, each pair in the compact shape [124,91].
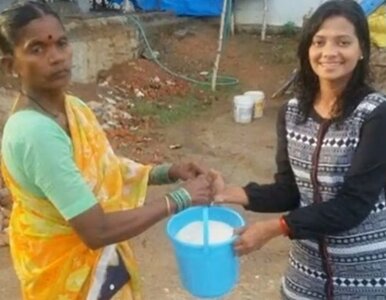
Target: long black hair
[307,82]
[15,18]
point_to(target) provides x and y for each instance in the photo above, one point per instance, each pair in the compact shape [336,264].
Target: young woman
[75,201]
[331,160]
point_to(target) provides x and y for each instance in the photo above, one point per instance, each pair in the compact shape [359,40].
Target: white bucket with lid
[243,108]
[258,99]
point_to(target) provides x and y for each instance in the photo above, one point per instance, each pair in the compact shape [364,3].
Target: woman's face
[42,55]
[335,50]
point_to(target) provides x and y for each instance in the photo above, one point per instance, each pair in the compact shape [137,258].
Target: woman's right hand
[232,195]
[200,190]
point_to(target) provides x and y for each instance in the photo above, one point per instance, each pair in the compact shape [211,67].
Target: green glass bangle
[181,198]
[160,174]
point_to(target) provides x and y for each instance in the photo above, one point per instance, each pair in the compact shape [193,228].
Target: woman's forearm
[114,227]
[124,225]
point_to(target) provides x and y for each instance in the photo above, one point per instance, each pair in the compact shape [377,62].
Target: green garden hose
[221,80]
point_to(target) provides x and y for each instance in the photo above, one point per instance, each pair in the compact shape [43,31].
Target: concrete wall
[99,43]
[5,4]
[83,5]
[250,12]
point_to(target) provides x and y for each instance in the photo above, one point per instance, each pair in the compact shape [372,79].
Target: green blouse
[38,154]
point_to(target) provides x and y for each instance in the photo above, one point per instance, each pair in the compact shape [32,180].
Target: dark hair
[15,18]
[307,82]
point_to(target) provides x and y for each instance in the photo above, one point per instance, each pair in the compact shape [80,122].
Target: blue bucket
[206,271]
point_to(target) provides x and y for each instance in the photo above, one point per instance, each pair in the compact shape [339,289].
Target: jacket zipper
[329,287]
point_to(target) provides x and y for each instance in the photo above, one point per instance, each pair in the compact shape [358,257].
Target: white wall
[249,12]
[5,4]
[84,5]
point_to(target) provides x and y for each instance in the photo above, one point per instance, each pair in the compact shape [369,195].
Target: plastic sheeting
[369,6]
[184,7]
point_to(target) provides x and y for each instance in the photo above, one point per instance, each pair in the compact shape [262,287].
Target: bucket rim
[254,92]
[242,99]
[230,241]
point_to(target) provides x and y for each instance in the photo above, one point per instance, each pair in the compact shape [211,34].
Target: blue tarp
[369,6]
[183,7]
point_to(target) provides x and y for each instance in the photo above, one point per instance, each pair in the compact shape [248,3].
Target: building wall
[250,12]
[99,43]
[83,5]
[5,4]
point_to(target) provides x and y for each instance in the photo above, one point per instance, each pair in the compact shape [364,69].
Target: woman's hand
[255,236]
[217,182]
[199,190]
[226,194]
[232,195]
[186,171]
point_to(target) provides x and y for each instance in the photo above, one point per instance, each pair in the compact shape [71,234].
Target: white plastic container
[243,108]
[258,99]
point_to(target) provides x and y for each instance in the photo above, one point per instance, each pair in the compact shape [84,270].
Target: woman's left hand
[255,236]
[185,171]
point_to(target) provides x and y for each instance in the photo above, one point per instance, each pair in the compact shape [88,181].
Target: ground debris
[5,214]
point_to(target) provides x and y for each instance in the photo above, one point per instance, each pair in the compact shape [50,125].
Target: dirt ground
[242,152]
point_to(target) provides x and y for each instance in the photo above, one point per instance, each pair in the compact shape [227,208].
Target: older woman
[75,201]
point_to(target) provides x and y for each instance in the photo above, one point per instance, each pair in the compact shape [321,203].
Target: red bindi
[50,37]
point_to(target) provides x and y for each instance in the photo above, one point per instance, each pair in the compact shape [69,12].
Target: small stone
[126,115]
[94,105]
[112,124]
[170,82]
[138,93]
[110,101]
[150,55]
[155,85]
[182,33]
[175,146]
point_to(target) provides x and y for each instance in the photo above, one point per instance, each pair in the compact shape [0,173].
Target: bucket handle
[205,216]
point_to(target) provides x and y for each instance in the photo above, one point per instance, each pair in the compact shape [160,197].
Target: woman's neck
[330,91]
[52,101]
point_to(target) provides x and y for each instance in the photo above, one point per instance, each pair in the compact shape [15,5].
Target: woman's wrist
[171,206]
[232,194]
[274,228]
[284,228]
[159,174]
[180,198]
[243,196]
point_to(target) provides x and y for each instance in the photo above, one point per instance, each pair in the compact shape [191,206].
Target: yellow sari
[51,261]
